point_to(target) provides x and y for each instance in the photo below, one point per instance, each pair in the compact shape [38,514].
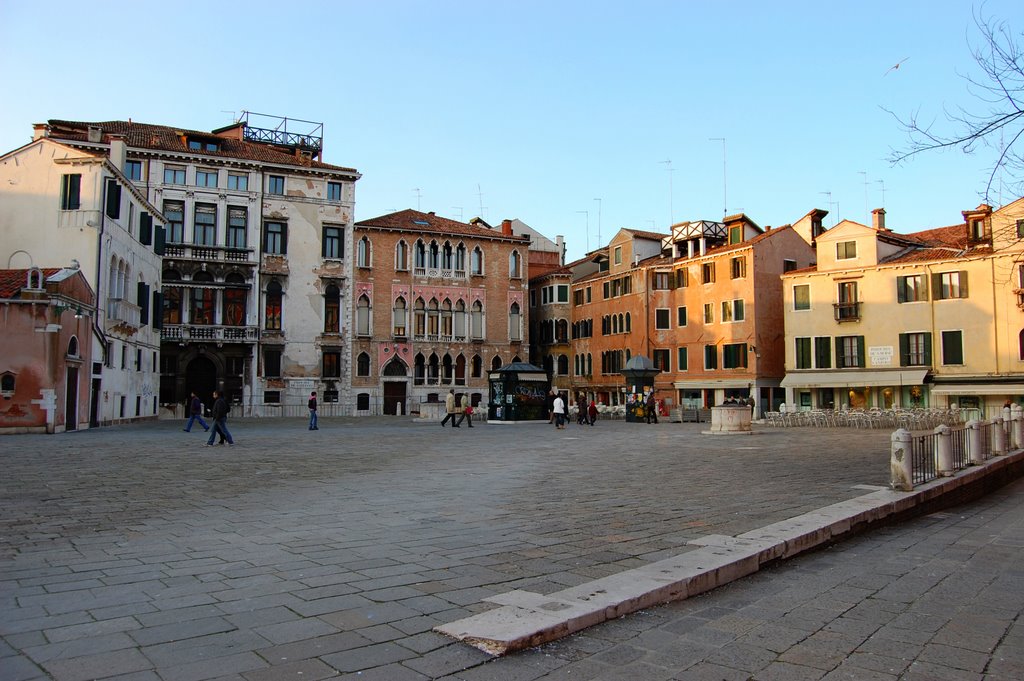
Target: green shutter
[158,310]
[861,360]
[937,285]
[160,238]
[901,289]
[928,349]
[142,299]
[924,288]
[904,350]
[839,353]
[145,228]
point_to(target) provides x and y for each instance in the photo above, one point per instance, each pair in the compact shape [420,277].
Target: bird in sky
[895,66]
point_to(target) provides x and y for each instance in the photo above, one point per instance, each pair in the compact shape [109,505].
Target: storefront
[904,388]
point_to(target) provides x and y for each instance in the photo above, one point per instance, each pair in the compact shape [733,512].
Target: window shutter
[145,228]
[159,239]
[963,283]
[901,289]
[861,360]
[904,350]
[924,288]
[937,285]
[839,353]
[113,199]
[928,349]
[158,310]
[142,300]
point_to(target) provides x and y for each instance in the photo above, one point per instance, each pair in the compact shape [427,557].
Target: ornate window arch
[273,307]
[401,256]
[400,317]
[364,315]
[476,262]
[332,309]
[563,365]
[363,364]
[460,260]
[515,265]
[476,366]
[364,253]
[420,255]
[476,320]
[420,318]
[515,323]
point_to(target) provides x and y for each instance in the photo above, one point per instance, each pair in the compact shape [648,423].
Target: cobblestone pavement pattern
[134,553]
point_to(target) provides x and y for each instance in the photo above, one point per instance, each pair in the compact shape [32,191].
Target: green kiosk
[518,393]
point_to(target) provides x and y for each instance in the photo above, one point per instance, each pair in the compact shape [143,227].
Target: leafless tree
[995,122]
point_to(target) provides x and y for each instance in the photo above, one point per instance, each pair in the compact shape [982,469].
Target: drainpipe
[99,300]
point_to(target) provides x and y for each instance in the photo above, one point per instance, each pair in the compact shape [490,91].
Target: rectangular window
[681,316]
[848,307]
[174,211]
[113,208]
[802,297]
[846,250]
[734,356]
[911,289]
[533,297]
[915,349]
[948,285]
[738,267]
[662,359]
[275,238]
[174,175]
[205,231]
[788,265]
[952,347]
[71,191]
[849,352]
[271,397]
[662,281]
[707,273]
[238,225]
[271,362]
[563,293]
[133,170]
[275,184]
[238,182]
[726,311]
[1020,229]
[662,320]
[333,246]
[709,313]
[803,353]
[735,235]
[577,298]
[739,312]
[710,357]
[618,255]
[332,364]
[588,294]
[607,290]
[682,360]
[682,278]
[334,191]
[823,352]
[206,178]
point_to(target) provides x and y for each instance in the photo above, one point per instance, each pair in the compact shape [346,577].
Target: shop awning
[712,383]
[853,379]
[979,389]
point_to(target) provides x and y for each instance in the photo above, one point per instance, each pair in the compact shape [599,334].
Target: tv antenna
[458,208]
[418,195]
[882,182]
[835,217]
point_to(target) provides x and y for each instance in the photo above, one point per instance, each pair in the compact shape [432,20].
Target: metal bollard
[975,453]
[998,437]
[901,463]
[944,451]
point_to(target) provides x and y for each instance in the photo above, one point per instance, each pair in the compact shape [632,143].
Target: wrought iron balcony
[847,312]
[183,251]
[185,333]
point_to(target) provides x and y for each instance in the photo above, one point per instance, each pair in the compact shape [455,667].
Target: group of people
[218,415]
[586,413]
[456,411]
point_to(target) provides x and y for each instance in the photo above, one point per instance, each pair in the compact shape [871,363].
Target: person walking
[581,410]
[592,412]
[451,409]
[558,409]
[196,414]
[312,411]
[652,408]
[466,411]
[220,417]
[551,406]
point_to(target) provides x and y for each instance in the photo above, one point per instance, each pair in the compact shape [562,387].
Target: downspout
[99,301]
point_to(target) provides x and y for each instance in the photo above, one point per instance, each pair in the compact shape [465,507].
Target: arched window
[7,383]
[476,262]
[576,365]
[172,305]
[363,316]
[401,256]
[73,346]
[516,359]
[363,364]
[460,260]
[433,318]
[615,324]
[460,321]
[433,370]
[629,326]
[515,323]
[460,370]
[420,320]
[549,365]
[420,255]
[562,331]
[364,254]
[419,370]
[515,270]
[272,316]
[476,320]
[447,369]
[590,365]
[446,319]
[332,309]
[563,365]
[495,362]
[235,300]
[433,256]
[476,366]
[396,367]
[446,257]
[399,317]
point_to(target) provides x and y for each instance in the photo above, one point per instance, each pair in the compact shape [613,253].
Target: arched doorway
[395,374]
[201,378]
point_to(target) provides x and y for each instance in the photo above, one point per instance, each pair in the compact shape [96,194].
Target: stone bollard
[901,461]
[975,453]
[998,437]
[1017,426]
[944,451]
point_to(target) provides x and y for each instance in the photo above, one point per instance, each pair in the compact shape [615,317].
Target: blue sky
[533,110]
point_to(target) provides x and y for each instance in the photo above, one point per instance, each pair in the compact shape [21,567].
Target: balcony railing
[219,334]
[847,312]
[120,311]
[208,253]
[440,338]
[438,273]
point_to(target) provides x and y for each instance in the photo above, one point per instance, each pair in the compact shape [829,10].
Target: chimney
[878,219]
[40,130]
[506,227]
[118,151]
[95,134]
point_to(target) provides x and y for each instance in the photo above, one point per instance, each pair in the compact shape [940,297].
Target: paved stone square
[137,553]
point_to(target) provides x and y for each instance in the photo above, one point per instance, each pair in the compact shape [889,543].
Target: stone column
[975,454]
[998,437]
[901,461]
[944,451]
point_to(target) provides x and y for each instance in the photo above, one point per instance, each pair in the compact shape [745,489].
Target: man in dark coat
[220,418]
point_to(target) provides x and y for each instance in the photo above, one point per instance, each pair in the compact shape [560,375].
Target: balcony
[438,273]
[121,314]
[439,338]
[847,312]
[209,253]
[187,333]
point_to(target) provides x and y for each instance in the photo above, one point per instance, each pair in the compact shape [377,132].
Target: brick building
[436,304]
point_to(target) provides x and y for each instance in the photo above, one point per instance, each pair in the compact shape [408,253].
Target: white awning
[979,389]
[712,383]
[853,379]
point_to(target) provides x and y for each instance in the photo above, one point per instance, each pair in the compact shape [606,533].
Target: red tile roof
[166,138]
[12,281]
[647,235]
[410,220]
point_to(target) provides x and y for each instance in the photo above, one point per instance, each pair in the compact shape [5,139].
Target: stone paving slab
[229,562]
